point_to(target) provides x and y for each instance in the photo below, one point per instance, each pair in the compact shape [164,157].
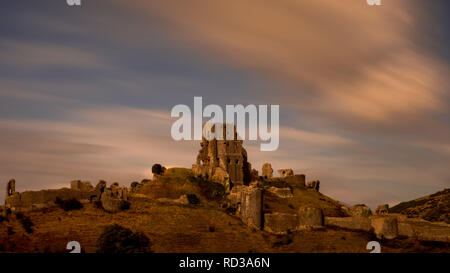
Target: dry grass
[178,181]
[172,228]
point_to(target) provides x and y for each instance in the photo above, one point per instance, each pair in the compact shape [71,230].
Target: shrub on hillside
[282,240]
[10,230]
[210,190]
[180,174]
[117,239]
[212,228]
[158,169]
[193,199]
[145,181]
[25,221]
[27,224]
[19,215]
[70,204]
[437,214]
[431,214]
[98,204]
[125,205]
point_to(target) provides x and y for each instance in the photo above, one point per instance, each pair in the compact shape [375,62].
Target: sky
[86,92]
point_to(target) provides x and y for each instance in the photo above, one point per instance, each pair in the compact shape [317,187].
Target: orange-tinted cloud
[359,61]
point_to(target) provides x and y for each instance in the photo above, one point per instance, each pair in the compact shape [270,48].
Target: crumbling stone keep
[267,171]
[10,187]
[223,161]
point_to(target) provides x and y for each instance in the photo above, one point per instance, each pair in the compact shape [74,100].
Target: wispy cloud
[117,143]
[41,55]
[20,91]
[312,137]
[360,62]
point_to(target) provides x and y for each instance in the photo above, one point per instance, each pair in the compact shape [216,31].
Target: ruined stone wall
[10,187]
[296,180]
[115,198]
[283,223]
[42,198]
[267,171]
[82,191]
[81,186]
[313,185]
[285,172]
[251,210]
[391,226]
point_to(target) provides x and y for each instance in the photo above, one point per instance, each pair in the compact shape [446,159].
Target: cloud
[20,91]
[312,137]
[112,143]
[404,86]
[357,61]
[43,55]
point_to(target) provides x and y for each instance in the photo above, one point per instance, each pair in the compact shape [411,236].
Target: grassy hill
[434,207]
[203,227]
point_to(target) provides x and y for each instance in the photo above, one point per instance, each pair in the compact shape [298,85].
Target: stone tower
[223,161]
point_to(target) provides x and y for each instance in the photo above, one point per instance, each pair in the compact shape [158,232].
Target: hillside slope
[203,226]
[434,207]
[182,229]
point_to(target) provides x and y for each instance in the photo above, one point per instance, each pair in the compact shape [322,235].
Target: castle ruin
[113,198]
[262,203]
[224,161]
